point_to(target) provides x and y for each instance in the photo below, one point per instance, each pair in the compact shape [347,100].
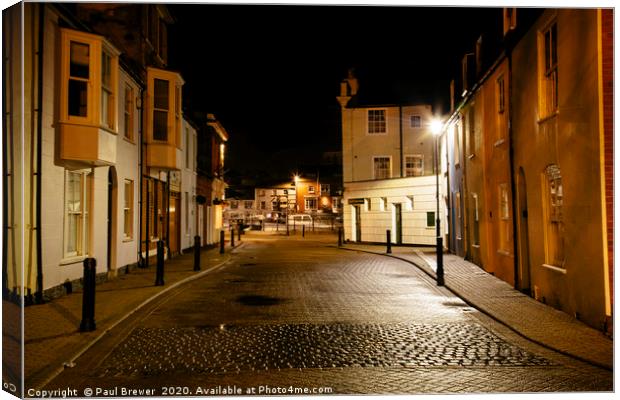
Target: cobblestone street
[300,313]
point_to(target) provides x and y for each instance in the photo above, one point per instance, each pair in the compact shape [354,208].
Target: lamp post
[436,128]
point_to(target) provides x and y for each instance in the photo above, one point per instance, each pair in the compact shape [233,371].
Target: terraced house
[101,162]
[530,156]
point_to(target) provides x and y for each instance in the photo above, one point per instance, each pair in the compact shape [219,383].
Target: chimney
[352,81]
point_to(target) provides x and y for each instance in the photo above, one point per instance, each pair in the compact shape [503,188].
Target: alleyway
[302,316]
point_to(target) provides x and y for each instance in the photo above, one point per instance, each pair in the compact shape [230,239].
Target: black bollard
[159,274]
[339,237]
[440,278]
[389,241]
[88,300]
[222,242]
[196,253]
[303,231]
[232,237]
[239,232]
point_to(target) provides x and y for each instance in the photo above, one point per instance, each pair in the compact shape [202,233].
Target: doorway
[398,223]
[175,222]
[524,283]
[112,220]
[358,223]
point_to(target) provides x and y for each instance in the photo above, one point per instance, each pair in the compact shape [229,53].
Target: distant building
[388,170]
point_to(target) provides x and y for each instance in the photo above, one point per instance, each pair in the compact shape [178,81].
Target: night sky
[271,74]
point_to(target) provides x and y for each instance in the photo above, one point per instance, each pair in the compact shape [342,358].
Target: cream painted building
[188,186]
[388,154]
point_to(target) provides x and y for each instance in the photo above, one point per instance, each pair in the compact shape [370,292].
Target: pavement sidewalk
[52,336]
[536,321]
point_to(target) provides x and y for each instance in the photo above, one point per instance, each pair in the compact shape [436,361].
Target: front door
[398,223]
[524,247]
[358,224]
[175,222]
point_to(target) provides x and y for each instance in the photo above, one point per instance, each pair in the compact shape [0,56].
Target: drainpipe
[515,249]
[400,127]
[39,250]
[168,218]
[141,261]
[5,178]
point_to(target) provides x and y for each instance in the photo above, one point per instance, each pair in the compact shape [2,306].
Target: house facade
[529,186]
[388,161]
[108,163]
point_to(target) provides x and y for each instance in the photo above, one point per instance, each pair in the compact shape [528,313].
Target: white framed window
[164,106]
[311,189]
[411,204]
[553,198]
[311,203]
[382,168]
[88,80]
[377,122]
[500,94]
[128,210]
[128,115]
[548,70]
[263,205]
[414,165]
[78,193]
[187,227]
[416,121]
[107,92]
[476,241]
[248,204]
[504,218]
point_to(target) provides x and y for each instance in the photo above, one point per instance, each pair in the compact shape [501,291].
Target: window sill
[554,268]
[128,140]
[110,131]
[504,252]
[127,239]
[499,142]
[475,246]
[72,260]
[548,117]
[471,156]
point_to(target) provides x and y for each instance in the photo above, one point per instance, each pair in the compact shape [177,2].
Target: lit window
[504,217]
[310,189]
[414,165]
[234,205]
[416,121]
[548,61]
[476,241]
[128,210]
[554,219]
[128,115]
[78,188]
[248,204]
[376,122]
[382,168]
[311,203]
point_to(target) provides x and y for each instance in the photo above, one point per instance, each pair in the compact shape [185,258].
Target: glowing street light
[437,129]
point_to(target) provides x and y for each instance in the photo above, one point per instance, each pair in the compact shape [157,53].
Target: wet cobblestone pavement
[213,350]
[296,313]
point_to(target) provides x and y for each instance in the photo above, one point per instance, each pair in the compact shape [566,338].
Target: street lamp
[436,129]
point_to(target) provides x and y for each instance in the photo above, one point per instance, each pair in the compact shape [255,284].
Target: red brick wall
[608,126]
